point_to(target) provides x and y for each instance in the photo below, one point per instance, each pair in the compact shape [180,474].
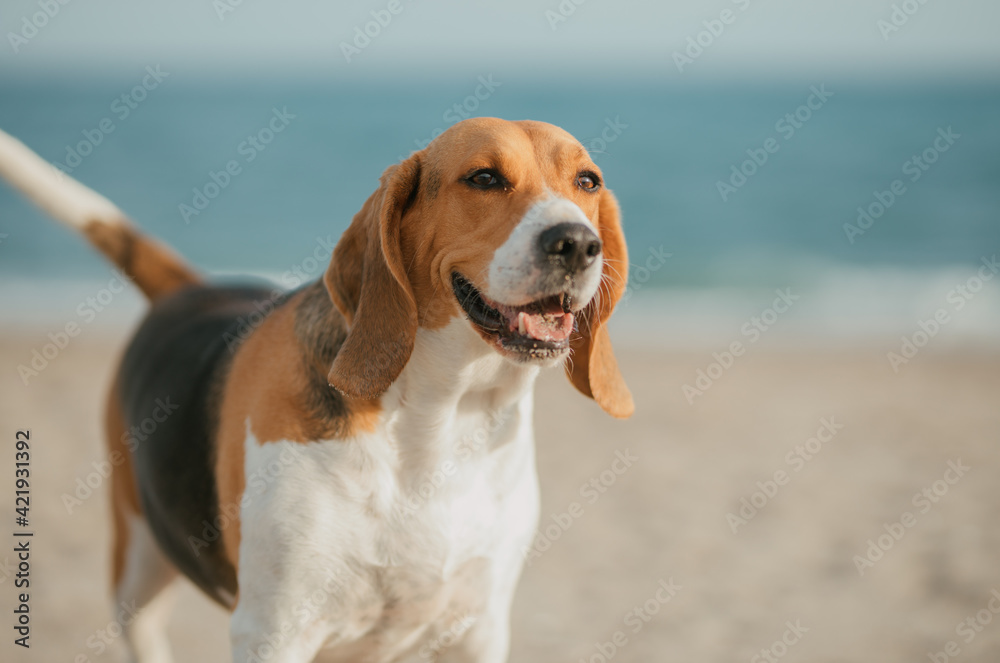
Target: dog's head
[508,224]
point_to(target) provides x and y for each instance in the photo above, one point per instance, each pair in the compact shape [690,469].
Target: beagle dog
[354,476]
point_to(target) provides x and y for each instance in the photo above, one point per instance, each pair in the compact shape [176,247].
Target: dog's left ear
[592,367]
[368,284]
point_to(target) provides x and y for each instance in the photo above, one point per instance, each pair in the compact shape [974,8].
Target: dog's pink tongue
[546,326]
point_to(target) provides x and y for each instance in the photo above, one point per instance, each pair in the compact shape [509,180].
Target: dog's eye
[485,179]
[588,181]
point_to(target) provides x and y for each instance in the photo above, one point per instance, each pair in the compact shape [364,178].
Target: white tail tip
[55,192]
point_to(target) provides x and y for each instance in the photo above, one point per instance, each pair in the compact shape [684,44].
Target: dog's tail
[153,267]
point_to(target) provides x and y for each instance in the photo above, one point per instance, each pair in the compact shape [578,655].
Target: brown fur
[277,382]
[154,268]
[124,496]
[367,281]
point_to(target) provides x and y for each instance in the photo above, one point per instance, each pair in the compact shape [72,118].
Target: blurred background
[817,182]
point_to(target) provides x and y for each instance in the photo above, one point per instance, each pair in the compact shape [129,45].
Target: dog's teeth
[520,323]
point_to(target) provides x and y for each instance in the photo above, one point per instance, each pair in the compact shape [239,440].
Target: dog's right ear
[368,284]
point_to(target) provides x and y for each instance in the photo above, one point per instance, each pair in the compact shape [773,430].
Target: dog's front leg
[288,587]
[487,638]
[486,641]
[265,632]
[289,595]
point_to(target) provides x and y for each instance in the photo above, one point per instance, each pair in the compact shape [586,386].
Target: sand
[789,571]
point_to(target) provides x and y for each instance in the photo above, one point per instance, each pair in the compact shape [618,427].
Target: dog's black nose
[573,246]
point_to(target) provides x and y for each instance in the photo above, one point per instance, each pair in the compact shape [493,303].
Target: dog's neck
[453,372]
[458,401]
[454,387]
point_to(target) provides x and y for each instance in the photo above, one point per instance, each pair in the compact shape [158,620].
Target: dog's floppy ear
[592,367]
[367,282]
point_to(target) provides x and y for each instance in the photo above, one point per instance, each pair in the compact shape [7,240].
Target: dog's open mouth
[541,328]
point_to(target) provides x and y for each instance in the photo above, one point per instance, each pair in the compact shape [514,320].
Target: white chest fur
[396,542]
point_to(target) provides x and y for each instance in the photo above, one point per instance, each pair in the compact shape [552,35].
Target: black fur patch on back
[171,379]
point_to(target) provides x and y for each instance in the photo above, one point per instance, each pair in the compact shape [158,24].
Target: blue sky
[764,37]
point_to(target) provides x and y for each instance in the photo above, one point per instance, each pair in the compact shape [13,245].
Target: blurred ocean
[664,149]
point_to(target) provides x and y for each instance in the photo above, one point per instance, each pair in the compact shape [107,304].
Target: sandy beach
[869,531]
